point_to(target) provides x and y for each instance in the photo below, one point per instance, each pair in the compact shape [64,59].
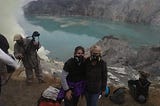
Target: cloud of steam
[9,13]
[8,21]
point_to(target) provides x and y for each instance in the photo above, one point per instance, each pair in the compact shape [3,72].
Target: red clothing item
[48,103]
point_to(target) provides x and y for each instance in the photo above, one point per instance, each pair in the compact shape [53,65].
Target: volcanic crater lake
[60,35]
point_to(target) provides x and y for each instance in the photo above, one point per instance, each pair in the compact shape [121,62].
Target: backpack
[139,90]
[118,96]
[49,97]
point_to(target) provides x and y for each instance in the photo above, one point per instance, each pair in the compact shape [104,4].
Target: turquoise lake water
[61,35]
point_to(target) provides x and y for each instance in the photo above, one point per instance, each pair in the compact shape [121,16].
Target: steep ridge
[134,11]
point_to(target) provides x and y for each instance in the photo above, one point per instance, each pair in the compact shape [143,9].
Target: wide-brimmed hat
[17,37]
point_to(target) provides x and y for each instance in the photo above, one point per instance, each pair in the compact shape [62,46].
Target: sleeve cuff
[67,90]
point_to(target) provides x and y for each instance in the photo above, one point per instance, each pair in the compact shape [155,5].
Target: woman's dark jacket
[75,78]
[76,72]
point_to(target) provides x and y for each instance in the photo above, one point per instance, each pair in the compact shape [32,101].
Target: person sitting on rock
[139,88]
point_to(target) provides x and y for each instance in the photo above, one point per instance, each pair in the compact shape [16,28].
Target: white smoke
[10,11]
[8,21]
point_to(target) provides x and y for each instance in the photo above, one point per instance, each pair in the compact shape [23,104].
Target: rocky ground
[17,93]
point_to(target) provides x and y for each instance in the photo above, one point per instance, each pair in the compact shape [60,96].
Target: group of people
[80,75]
[88,76]
[25,50]
[84,76]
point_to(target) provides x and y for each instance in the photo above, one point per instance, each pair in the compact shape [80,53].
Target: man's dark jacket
[4,45]
[96,76]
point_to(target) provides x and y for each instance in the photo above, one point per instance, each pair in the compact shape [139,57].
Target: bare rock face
[148,59]
[134,11]
[116,52]
[124,62]
[118,56]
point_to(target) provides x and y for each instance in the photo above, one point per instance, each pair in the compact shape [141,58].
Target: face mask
[95,58]
[20,42]
[78,59]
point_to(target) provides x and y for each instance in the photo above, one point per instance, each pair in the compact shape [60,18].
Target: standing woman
[96,76]
[72,78]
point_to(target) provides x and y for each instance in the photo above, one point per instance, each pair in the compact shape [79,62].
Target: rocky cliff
[124,62]
[134,11]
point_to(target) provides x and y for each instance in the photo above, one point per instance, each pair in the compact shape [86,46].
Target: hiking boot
[40,81]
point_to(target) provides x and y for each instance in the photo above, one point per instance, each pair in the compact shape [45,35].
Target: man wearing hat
[26,50]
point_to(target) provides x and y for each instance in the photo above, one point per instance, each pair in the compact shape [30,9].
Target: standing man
[4,46]
[96,76]
[26,50]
